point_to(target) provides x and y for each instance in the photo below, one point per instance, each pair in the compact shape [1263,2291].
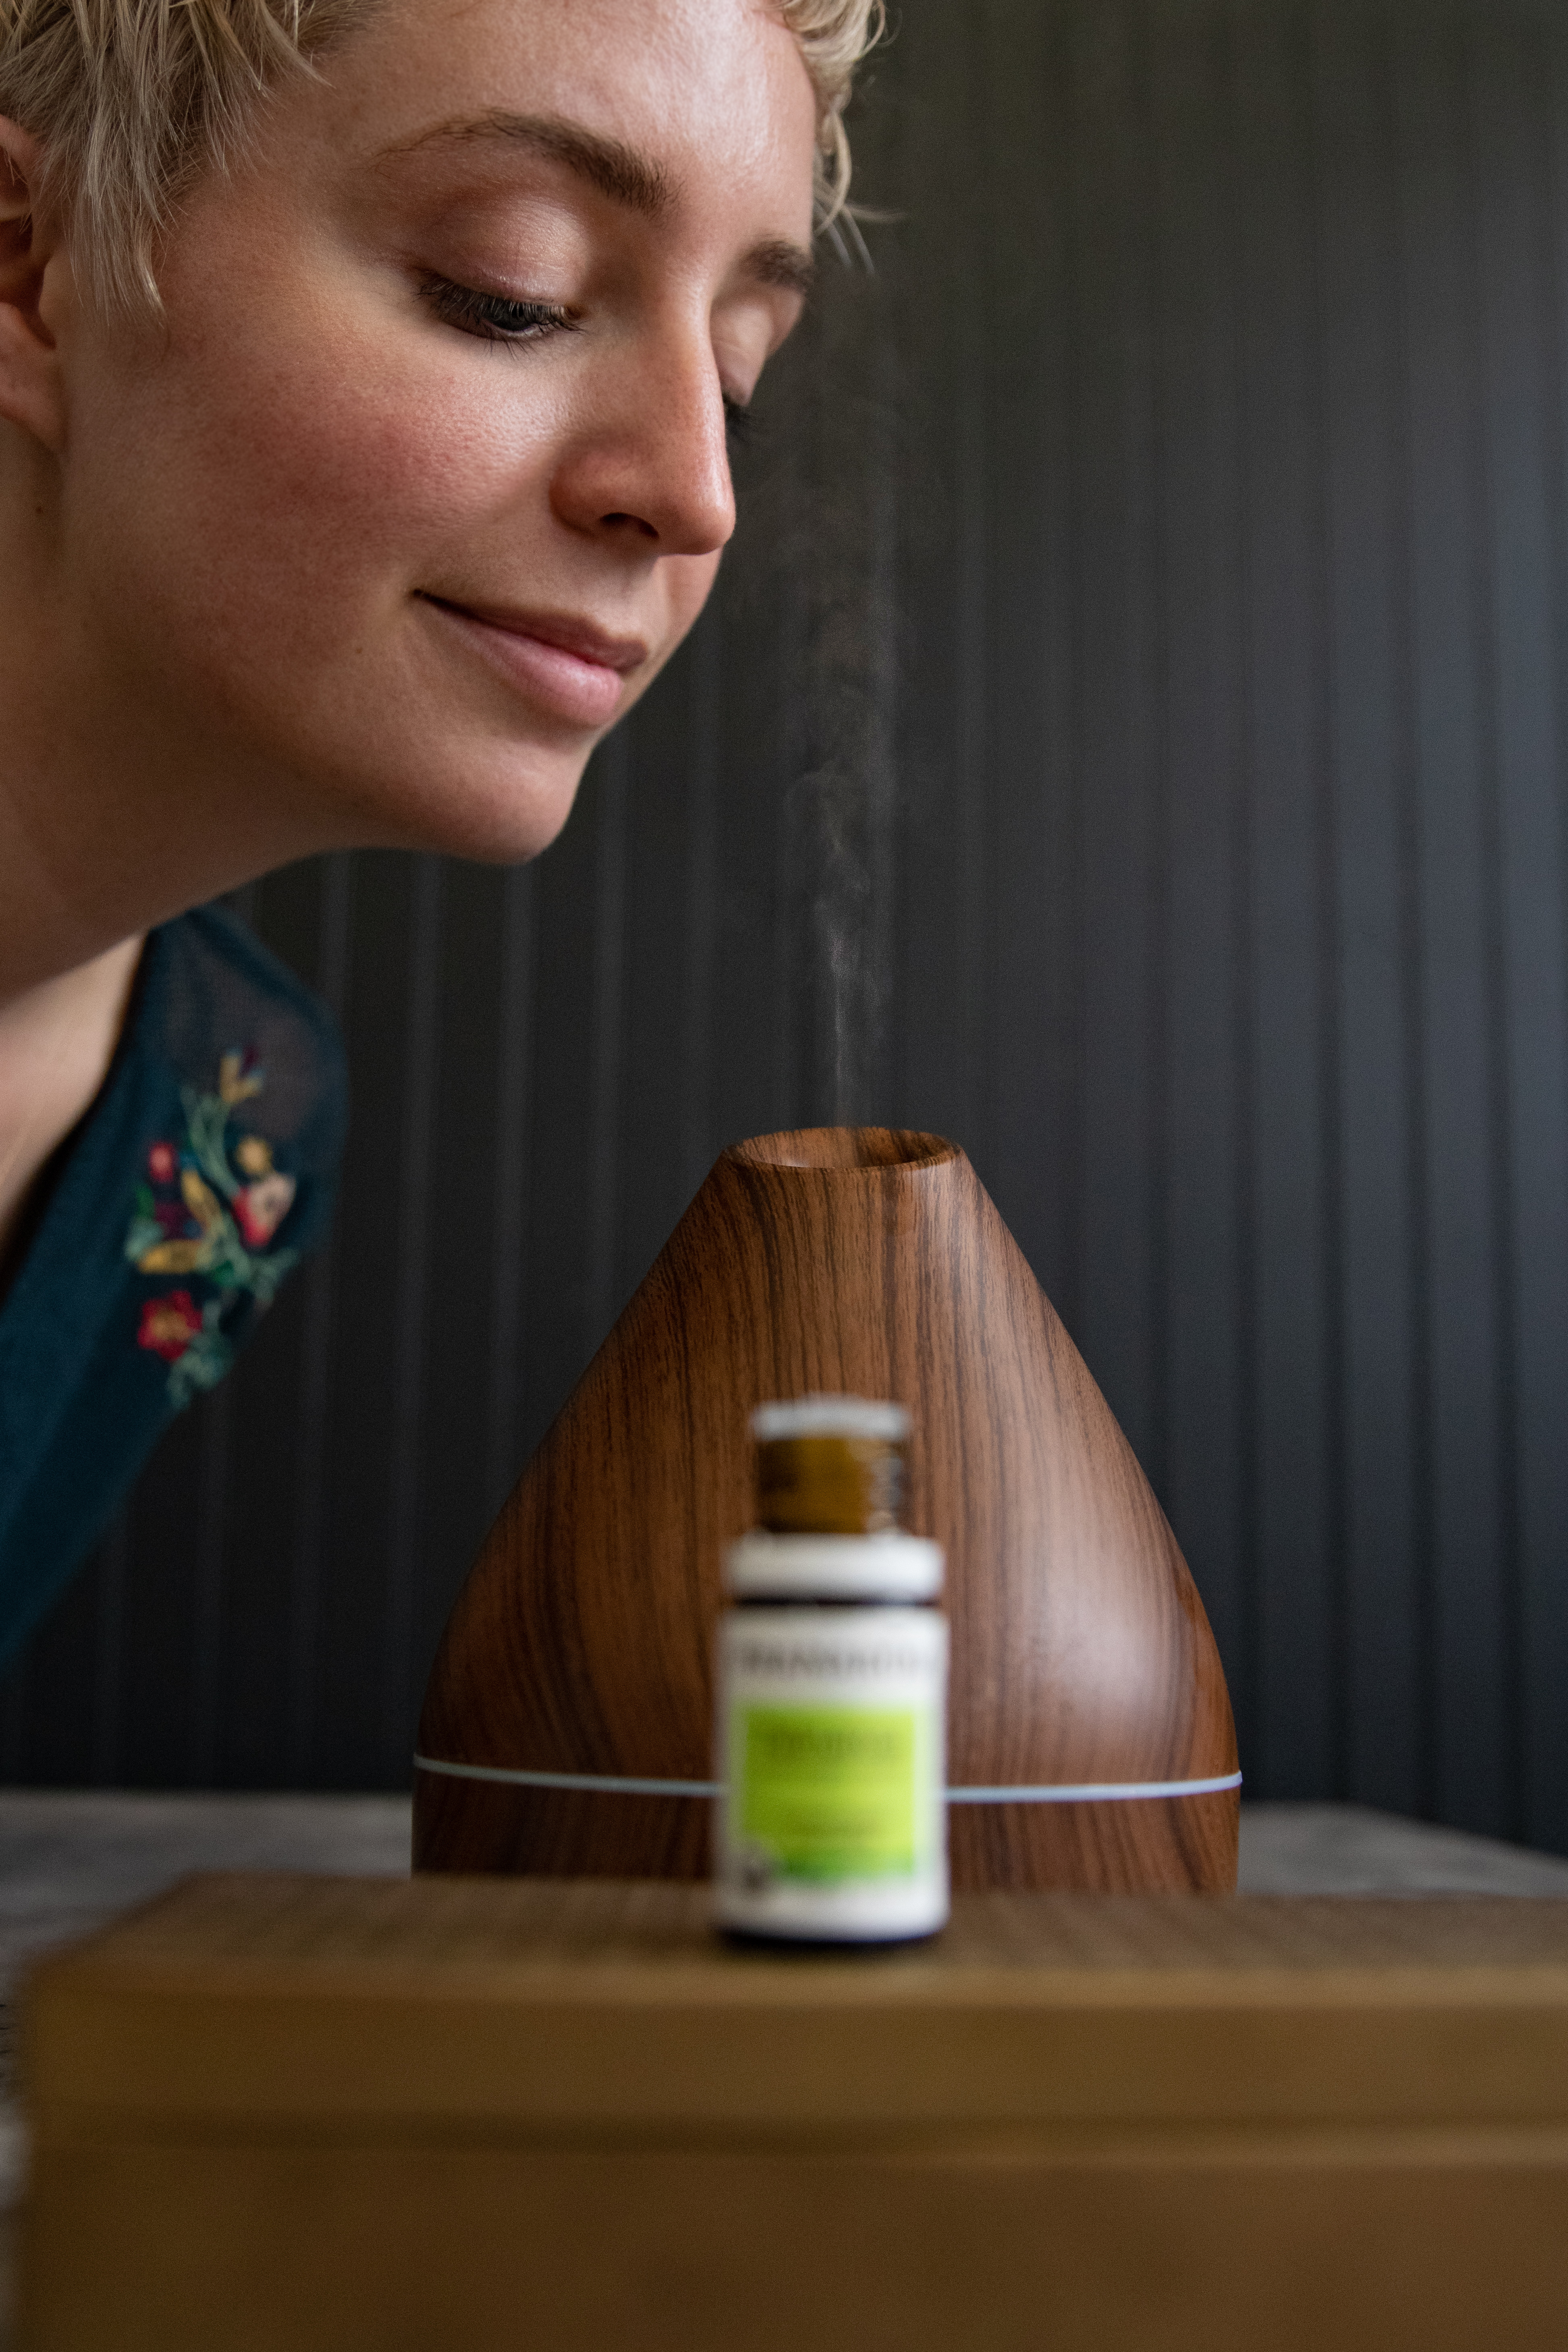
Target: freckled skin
[315,445]
[254,502]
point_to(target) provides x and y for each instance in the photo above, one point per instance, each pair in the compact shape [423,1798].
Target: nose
[650,465]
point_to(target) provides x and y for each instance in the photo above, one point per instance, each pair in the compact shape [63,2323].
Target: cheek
[291,486]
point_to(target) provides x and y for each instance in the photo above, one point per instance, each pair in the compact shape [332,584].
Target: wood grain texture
[442,2115]
[444,2001]
[1140,2247]
[869,1261]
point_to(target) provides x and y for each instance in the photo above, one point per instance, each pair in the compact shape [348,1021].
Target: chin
[495,811]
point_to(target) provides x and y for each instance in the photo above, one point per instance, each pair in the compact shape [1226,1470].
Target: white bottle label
[832,1752]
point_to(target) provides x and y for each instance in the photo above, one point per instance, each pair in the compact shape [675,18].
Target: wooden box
[290,2115]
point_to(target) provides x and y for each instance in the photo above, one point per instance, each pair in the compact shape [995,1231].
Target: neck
[56,1044]
[110,823]
[114,816]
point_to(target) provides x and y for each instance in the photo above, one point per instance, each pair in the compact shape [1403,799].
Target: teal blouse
[200,1176]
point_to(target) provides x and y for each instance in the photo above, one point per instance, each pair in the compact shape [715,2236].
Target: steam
[848,793]
[826,513]
[850,803]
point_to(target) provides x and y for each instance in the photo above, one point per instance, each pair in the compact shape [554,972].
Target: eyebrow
[779,263]
[617,171]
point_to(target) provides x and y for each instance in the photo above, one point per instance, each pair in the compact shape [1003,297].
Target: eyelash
[497,318]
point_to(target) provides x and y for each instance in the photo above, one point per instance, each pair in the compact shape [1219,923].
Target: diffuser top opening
[844,1147]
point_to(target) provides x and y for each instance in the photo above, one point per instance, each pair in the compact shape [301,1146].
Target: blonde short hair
[133,98]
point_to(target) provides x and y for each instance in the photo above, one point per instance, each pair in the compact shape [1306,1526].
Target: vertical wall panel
[1281,458]
[1032,905]
[1542,1267]
[1522,409]
[1454,879]
[1203,1034]
[1119,663]
[511,1039]
[1369,755]
[1129,734]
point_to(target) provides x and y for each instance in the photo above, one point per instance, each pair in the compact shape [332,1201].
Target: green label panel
[829,1792]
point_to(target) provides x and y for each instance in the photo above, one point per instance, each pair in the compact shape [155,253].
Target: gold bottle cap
[830,1466]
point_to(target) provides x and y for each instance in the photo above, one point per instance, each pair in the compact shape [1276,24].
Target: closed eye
[495,318]
[739,423]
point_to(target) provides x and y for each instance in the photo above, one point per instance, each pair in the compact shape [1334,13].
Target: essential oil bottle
[831,1691]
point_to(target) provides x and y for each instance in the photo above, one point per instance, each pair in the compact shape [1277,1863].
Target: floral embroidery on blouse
[210,1207]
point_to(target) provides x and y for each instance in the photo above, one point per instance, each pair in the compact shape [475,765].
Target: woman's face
[423,475]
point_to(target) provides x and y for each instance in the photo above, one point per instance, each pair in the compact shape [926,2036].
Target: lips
[561,662]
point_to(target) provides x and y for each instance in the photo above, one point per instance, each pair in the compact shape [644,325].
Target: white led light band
[1057,1792]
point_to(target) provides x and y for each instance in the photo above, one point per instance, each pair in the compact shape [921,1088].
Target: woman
[365,370]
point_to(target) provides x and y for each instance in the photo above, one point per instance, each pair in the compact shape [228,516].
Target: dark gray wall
[1129,738]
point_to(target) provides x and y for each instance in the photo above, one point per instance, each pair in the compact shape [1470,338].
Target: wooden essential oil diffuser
[867,1261]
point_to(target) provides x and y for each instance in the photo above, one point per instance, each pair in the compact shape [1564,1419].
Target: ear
[32,259]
